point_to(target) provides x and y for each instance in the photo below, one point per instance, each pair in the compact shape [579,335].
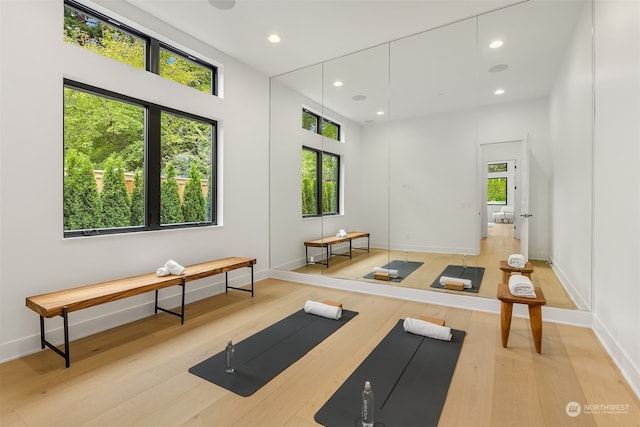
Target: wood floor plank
[137,374]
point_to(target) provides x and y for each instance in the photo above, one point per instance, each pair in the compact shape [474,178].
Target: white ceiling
[312,31]
[438,70]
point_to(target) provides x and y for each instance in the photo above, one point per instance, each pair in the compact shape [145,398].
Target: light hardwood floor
[498,245]
[137,374]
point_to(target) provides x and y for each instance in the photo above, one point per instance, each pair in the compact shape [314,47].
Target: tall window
[320,182]
[107,37]
[132,165]
[497,183]
[318,124]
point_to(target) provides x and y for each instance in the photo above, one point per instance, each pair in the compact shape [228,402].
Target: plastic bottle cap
[367,385]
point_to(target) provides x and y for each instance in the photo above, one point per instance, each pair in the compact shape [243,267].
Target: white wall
[433,171]
[571,110]
[35,258]
[288,228]
[617,184]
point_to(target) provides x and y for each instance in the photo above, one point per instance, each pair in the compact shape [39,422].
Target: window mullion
[319,209]
[153,56]
[153,164]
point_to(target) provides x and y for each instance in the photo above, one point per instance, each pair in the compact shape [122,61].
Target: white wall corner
[627,366]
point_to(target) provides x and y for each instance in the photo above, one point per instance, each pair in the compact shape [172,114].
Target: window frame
[319,155]
[152,161]
[153,45]
[320,120]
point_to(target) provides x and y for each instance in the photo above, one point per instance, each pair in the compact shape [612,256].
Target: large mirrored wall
[418,142]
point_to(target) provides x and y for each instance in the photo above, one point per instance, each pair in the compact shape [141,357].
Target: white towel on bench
[162,271]
[170,267]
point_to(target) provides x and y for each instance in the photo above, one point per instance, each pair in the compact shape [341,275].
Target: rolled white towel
[324,310]
[341,233]
[174,268]
[521,286]
[516,261]
[465,282]
[427,329]
[391,273]
[162,271]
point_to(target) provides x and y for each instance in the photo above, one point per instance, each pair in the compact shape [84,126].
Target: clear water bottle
[230,357]
[367,405]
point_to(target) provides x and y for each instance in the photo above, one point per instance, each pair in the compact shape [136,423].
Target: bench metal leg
[44,342]
[227,287]
[181,314]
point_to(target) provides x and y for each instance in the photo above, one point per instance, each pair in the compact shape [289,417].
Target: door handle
[527,215]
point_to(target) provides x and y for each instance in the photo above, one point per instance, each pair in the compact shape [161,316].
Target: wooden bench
[61,303]
[328,242]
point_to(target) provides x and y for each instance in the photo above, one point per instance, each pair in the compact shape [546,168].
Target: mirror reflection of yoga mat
[474,274]
[262,356]
[410,376]
[404,268]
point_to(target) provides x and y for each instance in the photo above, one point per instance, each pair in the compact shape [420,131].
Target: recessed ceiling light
[496,44]
[498,68]
[380,113]
[223,4]
[359,97]
[337,83]
[499,91]
[274,38]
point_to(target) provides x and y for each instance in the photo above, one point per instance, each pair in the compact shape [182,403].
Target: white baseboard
[575,296]
[87,326]
[550,314]
[627,366]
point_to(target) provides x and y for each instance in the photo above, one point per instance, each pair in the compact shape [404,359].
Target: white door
[522,214]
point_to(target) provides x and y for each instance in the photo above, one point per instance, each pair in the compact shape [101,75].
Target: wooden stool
[507,270]
[535,313]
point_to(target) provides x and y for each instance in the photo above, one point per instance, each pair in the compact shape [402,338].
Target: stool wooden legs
[535,319]
[505,320]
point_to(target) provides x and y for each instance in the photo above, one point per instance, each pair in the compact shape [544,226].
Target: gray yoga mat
[262,356]
[410,376]
[472,273]
[404,268]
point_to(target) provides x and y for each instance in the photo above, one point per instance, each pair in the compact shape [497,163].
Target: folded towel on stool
[465,282]
[391,273]
[174,268]
[521,286]
[427,329]
[162,271]
[324,310]
[516,261]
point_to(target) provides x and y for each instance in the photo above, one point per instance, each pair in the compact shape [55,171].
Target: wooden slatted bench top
[51,304]
[211,268]
[78,298]
[332,240]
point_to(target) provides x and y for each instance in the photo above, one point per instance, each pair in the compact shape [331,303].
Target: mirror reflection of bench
[61,303]
[328,242]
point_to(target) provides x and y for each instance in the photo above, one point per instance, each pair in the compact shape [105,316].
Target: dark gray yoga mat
[262,356]
[404,268]
[472,273]
[410,376]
